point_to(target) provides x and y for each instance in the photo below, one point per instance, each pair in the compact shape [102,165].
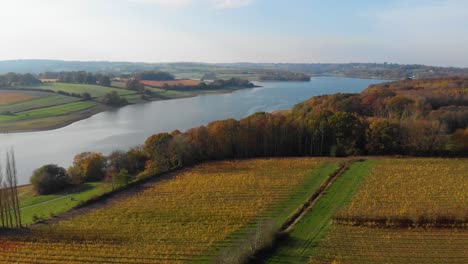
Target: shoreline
[74,117]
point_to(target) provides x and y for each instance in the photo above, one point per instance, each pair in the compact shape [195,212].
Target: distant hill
[387,71]
[248,70]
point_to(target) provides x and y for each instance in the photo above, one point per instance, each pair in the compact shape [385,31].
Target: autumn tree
[87,167]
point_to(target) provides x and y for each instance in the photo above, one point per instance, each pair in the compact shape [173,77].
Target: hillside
[251,71]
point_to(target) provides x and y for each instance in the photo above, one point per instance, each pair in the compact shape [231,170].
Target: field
[187,217]
[351,244]
[94,90]
[39,207]
[13,97]
[34,100]
[47,111]
[171,83]
[431,192]
[315,223]
[416,190]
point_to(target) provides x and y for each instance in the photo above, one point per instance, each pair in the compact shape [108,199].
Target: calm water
[131,125]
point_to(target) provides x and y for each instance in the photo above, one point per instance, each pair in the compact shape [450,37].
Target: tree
[120,179]
[136,158]
[134,85]
[155,76]
[458,142]
[88,166]
[10,213]
[113,99]
[157,147]
[86,96]
[50,179]
[383,137]
[104,80]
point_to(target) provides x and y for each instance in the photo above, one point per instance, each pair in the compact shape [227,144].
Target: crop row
[350,244]
[419,191]
[186,217]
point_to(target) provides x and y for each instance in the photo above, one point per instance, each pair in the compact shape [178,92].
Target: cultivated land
[192,216]
[33,100]
[94,90]
[209,212]
[422,202]
[314,224]
[41,107]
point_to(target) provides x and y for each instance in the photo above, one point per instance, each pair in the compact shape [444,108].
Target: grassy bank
[315,224]
[38,207]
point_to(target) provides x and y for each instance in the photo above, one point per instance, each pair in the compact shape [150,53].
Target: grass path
[40,207]
[314,225]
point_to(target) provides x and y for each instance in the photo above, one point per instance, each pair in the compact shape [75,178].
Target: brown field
[13,97]
[171,83]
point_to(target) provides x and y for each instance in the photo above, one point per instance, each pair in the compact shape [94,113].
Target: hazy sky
[413,31]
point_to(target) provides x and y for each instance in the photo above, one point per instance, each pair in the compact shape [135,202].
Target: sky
[432,32]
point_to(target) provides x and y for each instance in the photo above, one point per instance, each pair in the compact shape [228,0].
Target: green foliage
[15,79]
[49,179]
[48,111]
[383,137]
[134,84]
[155,76]
[121,179]
[113,99]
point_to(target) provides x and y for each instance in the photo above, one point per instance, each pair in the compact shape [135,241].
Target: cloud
[218,4]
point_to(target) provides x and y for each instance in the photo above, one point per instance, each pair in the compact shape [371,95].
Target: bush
[50,179]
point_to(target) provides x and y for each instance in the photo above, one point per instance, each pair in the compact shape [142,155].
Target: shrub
[49,179]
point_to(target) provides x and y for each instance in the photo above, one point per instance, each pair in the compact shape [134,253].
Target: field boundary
[289,224]
[286,228]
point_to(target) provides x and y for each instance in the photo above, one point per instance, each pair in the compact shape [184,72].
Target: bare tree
[10,213]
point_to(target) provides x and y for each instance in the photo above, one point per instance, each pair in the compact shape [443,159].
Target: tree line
[15,79]
[78,77]
[10,215]
[394,118]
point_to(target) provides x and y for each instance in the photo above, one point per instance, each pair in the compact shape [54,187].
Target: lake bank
[60,121]
[130,125]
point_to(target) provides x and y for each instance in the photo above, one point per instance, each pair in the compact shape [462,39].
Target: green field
[38,207]
[41,99]
[94,90]
[47,111]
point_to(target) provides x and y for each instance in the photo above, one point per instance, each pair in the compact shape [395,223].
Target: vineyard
[412,191]
[350,244]
[405,211]
[191,216]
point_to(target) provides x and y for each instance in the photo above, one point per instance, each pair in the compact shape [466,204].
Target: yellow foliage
[184,218]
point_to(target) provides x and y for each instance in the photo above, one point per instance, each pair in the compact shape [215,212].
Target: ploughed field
[192,215]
